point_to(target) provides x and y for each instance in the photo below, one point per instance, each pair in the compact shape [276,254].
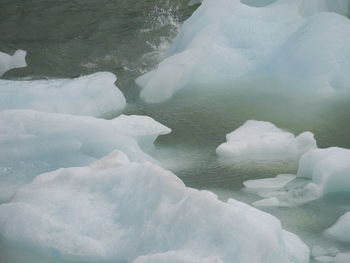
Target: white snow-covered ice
[292,41]
[34,142]
[137,211]
[93,95]
[17,60]
[263,141]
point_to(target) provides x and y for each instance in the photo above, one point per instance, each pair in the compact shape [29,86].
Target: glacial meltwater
[67,39]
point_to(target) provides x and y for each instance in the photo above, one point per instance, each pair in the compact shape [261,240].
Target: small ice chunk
[263,141]
[318,251]
[272,201]
[194,2]
[274,183]
[342,258]
[328,168]
[324,259]
[341,229]
[17,60]
[93,95]
[175,257]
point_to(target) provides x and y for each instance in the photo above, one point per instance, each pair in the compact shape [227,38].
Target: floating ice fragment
[263,141]
[17,60]
[321,172]
[297,42]
[34,142]
[324,259]
[274,183]
[342,258]
[341,229]
[139,211]
[93,95]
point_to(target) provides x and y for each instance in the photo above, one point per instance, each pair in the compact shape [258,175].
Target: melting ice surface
[326,172]
[226,40]
[33,142]
[93,95]
[263,141]
[143,212]
[81,37]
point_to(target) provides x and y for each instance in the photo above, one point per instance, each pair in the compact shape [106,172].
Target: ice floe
[292,41]
[34,142]
[321,172]
[341,229]
[139,211]
[17,60]
[263,141]
[93,95]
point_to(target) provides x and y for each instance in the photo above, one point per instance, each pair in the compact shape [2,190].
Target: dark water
[68,38]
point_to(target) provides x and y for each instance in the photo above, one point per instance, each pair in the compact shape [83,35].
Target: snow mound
[263,141]
[93,95]
[341,229]
[139,211]
[227,40]
[17,60]
[321,172]
[35,142]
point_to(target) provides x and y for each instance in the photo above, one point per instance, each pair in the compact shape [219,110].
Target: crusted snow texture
[34,142]
[263,141]
[287,40]
[341,229]
[93,95]
[17,60]
[133,209]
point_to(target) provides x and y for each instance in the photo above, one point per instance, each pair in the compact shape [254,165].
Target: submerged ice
[93,95]
[34,142]
[138,211]
[227,40]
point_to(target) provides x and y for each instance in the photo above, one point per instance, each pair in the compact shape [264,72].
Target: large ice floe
[224,41]
[321,172]
[93,95]
[138,212]
[17,60]
[34,142]
[262,141]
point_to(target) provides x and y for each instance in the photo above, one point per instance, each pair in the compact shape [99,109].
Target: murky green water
[68,38]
